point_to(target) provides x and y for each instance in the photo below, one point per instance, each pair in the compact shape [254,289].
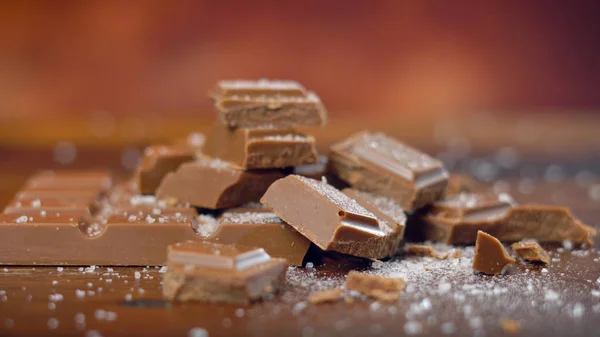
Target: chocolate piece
[384,208]
[46,181]
[379,287]
[456,221]
[460,183]
[330,219]
[377,163]
[264,103]
[325,296]
[213,183]
[159,160]
[125,237]
[490,255]
[260,148]
[213,272]
[510,326]
[260,228]
[423,250]
[531,251]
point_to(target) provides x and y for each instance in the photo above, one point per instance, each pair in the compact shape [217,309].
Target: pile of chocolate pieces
[264,198]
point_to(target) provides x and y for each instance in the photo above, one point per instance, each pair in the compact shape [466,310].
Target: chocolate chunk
[325,296]
[213,183]
[423,250]
[260,228]
[460,183]
[213,272]
[264,103]
[379,287]
[330,219]
[531,251]
[260,148]
[125,237]
[159,160]
[490,255]
[456,220]
[377,163]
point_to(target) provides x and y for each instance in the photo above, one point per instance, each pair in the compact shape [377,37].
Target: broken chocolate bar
[259,227]
[125,237]
[264,103]
[213,183]
[531,251]
[260,148]
[490,255]
[159,160]
[379,287]
[211,272]
[456,220]
[377,163]
[330,219]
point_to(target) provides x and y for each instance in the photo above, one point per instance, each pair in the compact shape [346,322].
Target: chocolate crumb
[531,251]
[325,296]
[374,285]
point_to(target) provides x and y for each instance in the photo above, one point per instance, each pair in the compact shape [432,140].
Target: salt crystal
[110,270]
[567,244]
[137,275]
[156,211]
[374,306]
[150,219]
[544,270]
[198,332]
[53,323]
[55,282]
[594,192]
[596,293]
[578,310]
[163,269]
[476,322]
[132,218]
[93,333]
[89,284]
[100,314]
[298,307]
[51,306]
[80,293]
[21,219]
[80,269]
[43,213]
[90,269]
[79,317]
[128,297]
[141,291]
[598,280]
[91,293]
[444,287]
[310,265]
[240,312]
[111,316]
[413,328]
[551,295]
[5,269]
[448,328]
[36,203]
[55,297]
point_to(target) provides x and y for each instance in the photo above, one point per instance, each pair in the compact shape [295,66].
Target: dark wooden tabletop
[442,298]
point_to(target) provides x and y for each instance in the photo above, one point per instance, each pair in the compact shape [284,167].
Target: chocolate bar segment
[260,228]
[490,255]
[374,162]
[47,181]
[213,183]
[330,219]
[264,103]
[69,238]
[260,148]
[158,160]
[211,272]
[456,221]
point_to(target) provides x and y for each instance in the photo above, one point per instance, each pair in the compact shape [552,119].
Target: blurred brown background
[78,68]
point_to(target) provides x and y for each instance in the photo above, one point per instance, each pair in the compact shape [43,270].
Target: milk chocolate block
[377,163]
[490,255]
[110,237]
[456,220]
[213,183]
[260,228]
[330,219]
[264,103]
[531,251]
[211,272]
[260,148]
[158,160]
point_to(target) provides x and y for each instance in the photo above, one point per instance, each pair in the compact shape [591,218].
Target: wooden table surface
[442,298]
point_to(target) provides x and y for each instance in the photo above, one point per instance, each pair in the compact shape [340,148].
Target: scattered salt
[80,293]
[163,269]
[240,312]
[413,328]
[53,323]
[128,297]
[198,332]
[55,297]
[578,310]
[21,219]
[137,275]
[448,328]
[55,282]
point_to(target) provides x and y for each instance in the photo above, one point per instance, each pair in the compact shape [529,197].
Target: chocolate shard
[379,287]
[531,251]
[424,250]
[212,272]
[259,227]
[158,160]
[325,296]
[490,255]
[378,163]
[456,220]
[260,148]
[264,103]
[330,219]
[213,183]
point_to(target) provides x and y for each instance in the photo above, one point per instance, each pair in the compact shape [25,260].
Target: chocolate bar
[213,183]
[259,227]
[330,219]
[377,163]
[490,255]
[264,103]
[456,220]
[260,148]
[125,237]
[531,251]
[211,272]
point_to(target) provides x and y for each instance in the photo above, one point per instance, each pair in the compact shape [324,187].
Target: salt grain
[93,333]
[51,306]
[448,328]
[55,282]
[137,275]
[80,293]
[53,323]
[240,312]
[163,269]
[21,219]
[56,297]
[198,332]
[413,328]
[551,295]
[578,310]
